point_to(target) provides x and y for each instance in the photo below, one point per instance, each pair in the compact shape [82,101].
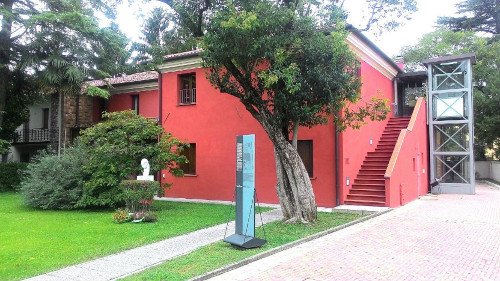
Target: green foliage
[56,45]
[475,15]
[486,77]
[386,14]
[438,43]
[11,175]
[4,146]
[161,36]
[121,216]
[62,238]
[149,217]
[221,254]
[16,105]
[94,91]
[139,194]
[287,71]
[115,148]
[55,182]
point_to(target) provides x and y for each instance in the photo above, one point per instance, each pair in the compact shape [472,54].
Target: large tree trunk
[5,49]
[293,186]
[54,122]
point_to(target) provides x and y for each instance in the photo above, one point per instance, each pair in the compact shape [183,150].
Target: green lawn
[35,241]
[219,254]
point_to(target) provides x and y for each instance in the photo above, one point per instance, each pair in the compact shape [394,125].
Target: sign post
[245,195]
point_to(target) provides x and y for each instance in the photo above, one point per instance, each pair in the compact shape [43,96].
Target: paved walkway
[445,237]
[138,259]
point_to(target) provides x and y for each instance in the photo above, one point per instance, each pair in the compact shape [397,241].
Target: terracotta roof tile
[136,77]
[192,53]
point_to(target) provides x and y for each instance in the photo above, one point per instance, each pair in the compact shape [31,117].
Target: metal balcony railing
[187,96]
[31,136]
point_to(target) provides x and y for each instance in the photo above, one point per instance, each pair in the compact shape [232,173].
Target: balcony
[187,96]
[31,136]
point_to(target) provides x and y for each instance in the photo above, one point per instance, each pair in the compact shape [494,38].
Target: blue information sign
[245,195]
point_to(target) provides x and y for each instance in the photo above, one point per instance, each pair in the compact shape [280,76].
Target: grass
[220,254]
[35,241]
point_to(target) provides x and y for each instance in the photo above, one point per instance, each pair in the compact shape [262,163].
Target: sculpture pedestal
[145,178]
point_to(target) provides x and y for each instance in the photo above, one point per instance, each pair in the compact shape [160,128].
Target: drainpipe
[160,119]
[59,125]
[337,176]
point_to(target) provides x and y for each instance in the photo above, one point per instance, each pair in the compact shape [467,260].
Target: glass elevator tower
[450,117]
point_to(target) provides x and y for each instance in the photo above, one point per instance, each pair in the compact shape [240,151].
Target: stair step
[372,172]
[371,176]
[387,146]
[374,166]
[381,163]
[364,203]
[367,192]
[378,181]
[379,155]
[373,185]
[379,198]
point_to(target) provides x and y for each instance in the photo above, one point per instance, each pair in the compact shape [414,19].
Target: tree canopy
[54,46]
[475,15]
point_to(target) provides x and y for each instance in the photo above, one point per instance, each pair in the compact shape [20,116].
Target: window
[305,150]
[45,118]
[187,89]
[135,103]
[190,153]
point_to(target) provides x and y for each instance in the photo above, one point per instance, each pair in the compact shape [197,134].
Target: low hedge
[139,194]
[11,175]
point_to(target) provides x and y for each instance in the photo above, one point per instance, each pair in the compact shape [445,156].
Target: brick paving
[444,237]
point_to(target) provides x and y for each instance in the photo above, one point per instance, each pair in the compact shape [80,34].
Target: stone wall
[77,115]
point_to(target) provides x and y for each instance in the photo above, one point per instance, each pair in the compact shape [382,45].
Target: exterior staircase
[368,188]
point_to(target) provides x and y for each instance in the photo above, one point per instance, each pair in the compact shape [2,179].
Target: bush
[115,148]
[121,216]
[11,175]
[4,146]
[55,182]
[138,195]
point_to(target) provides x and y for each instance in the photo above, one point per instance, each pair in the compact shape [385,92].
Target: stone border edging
[283,247]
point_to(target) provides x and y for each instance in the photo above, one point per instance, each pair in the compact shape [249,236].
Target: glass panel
[411,93]
[449,76]
[451,137]
[449,106]
[452,168]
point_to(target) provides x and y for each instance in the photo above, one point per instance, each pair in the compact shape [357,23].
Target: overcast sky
[423,21]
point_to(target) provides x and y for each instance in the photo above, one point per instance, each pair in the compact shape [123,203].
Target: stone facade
[77,115]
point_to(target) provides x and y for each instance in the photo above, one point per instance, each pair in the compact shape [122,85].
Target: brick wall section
[85,115]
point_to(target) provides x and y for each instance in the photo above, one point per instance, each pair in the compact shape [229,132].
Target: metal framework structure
[451,132]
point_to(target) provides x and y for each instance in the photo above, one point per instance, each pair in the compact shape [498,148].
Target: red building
[381,164]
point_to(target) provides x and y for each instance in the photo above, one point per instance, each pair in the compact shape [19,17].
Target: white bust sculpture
[145,171]
[145,167]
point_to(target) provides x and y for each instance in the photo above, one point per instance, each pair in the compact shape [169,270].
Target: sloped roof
[187,54]
[126,79]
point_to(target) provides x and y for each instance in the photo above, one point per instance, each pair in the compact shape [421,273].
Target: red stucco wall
[213,124]
[409,178]
[356,143]
[148,102]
